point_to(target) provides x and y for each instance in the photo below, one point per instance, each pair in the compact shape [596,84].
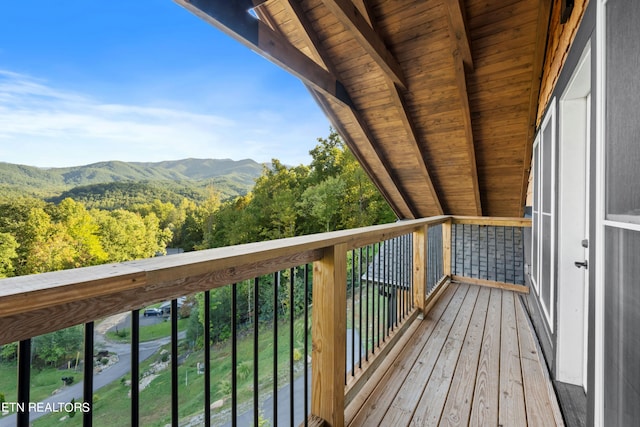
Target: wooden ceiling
[436,98]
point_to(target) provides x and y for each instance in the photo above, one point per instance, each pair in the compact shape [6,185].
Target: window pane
[622,103]
[547,166]
[545,274]
[622,337]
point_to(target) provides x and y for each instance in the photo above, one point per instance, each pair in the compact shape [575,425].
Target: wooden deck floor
[472,361]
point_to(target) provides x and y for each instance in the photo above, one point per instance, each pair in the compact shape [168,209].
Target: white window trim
[598,388]
[548,311]
[534,276]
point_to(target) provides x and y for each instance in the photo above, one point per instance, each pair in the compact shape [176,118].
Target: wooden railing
[39,304]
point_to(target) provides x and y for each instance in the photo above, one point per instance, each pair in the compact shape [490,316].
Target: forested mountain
[204,206]
[182,177]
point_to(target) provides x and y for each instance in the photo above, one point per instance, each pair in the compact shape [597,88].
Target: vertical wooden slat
[329,325]
[446,247]
[420,239]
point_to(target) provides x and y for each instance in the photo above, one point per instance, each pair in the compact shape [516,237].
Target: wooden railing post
[329,335]
[446,247]
[420,248]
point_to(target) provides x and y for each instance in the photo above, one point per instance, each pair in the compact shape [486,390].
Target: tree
[324,202]
[325,156]
[8,254]
[52,349]
[46,246]
[126,235]
[83,230]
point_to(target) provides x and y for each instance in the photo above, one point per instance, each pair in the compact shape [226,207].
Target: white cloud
[47,126]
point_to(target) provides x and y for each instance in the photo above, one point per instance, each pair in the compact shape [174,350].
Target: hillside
[166,180]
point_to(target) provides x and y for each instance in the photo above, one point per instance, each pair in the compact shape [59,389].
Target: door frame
[572,227]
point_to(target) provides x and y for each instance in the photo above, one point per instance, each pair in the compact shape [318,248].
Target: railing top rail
[496,221]
[80,295]
[25,293]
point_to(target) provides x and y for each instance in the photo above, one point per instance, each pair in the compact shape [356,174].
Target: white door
[573,226]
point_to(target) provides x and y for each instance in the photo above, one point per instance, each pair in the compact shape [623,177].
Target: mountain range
[187,177]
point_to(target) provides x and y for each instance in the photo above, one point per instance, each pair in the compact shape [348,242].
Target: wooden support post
[420,248]
[329,325]
[446,247]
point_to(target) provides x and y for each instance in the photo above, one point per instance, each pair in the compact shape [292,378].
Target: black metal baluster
[403,273]
[430,259]
[393,272]
[487,251]
[256,403]
[207,359]
[24,382]
[454,247]
[398,281]
[135,368]
[306,344]
[495,243]
[366,313]
[471,250]
[291,331]
[353,312]
[401,279]
[385,306]
[376,292]
[522,254]
[513,254]
[360,307]
[504,254]
[402,266]
[234,355]
[174,363]
[464,251]
[87,417]
[276,277]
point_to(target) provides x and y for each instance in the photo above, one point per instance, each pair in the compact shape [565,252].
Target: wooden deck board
[402,408]
[511,410]
[458,405]
[380,399]
[472,361]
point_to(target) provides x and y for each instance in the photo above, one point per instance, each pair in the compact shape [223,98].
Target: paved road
[113,373]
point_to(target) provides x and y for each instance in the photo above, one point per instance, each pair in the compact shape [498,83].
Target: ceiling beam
[400,104]
[459,31]
[463,63]
[294,8]
[461,83]
[350,16]
[233,18]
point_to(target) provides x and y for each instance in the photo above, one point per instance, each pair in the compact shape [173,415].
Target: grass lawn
[43,381]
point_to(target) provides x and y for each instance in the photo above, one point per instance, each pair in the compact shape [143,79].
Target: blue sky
[83,81]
